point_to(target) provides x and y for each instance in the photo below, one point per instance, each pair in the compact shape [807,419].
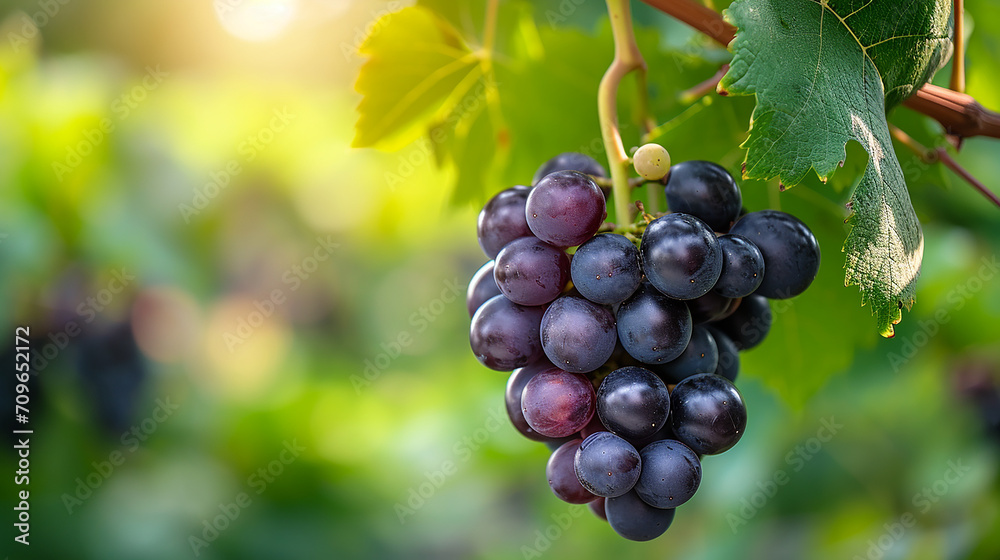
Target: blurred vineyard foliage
[217,285]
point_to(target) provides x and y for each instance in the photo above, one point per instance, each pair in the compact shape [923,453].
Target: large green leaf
[417,65]
[824,73]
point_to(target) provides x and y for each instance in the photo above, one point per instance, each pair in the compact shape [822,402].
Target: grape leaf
[417,66]
[477,151]
[824,73]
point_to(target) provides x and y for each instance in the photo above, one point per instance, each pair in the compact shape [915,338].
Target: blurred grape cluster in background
[250,339]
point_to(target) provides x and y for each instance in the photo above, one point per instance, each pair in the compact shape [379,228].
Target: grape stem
[627,59]
[678,120]
[695,93]
[941,155]
[958,58]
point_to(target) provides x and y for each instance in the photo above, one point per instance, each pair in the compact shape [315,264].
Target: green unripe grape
[652,162]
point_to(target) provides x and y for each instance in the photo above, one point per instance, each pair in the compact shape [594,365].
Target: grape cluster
[624,351]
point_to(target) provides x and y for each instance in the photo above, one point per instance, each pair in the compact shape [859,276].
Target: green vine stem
[627,59]
[655,197]
[633,182]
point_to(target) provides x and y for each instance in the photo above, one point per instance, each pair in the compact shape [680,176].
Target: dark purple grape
[606,269]
[562,475]
[578,335]
[597,507]
[791,253]
[512,398]
[671,473]
[705,190]
[636,520]
[711,307]
[531,272]
[633,402]
[742,266]
[680,256]
[565,209]
[700,356]
[558,403]
[502,220]
[729,355]
[652,327]
[504,335]
[570,161]
[749,325]
[707,413]
[607,465]
[482,287]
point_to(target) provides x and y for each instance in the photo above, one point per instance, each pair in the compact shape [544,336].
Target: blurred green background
[250,339]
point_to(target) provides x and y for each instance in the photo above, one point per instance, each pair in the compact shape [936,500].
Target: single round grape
[558,403]
[606,269]
[791,253]
[706,190]
[707,413]
[651,162]
[711,307]
[633,402]
[680,256]
[578,335]
[742,266]
[504,335]
[597,507]
[652,327]
[502,220]
[700,356]
[607,465]
[512,398]
[565,209]
[671,473]
[531,272]
[749,325]
[636,520]
[482,287]
[729,355]
[562,475]
[570,161]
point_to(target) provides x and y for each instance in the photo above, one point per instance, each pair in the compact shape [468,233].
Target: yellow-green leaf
[416,63]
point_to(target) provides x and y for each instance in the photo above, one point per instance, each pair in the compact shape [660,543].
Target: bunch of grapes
[624,346]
